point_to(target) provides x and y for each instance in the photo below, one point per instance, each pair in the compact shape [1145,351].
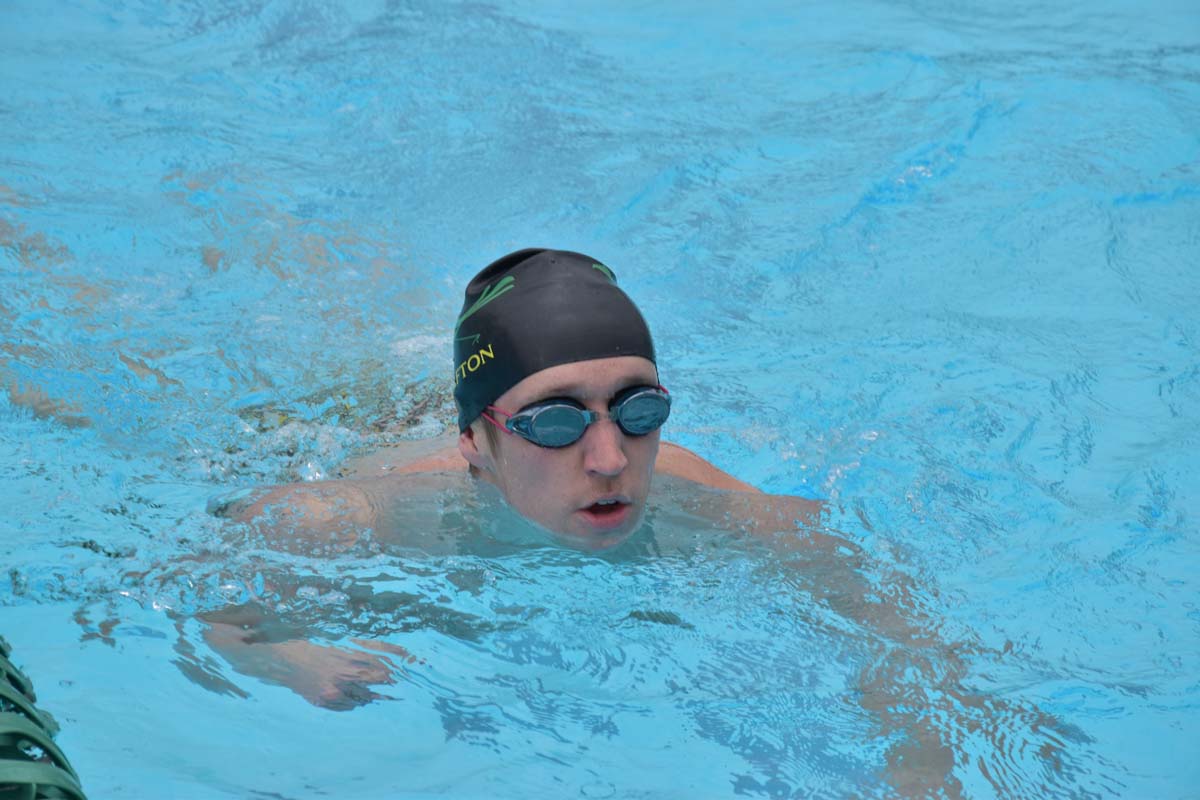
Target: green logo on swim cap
[489,294]
[608,273]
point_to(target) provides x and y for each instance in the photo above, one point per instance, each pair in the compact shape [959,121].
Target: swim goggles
[561,421]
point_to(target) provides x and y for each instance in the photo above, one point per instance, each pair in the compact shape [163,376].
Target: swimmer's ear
[475,450]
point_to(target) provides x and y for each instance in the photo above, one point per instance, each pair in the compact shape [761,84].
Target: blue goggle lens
[558,423]
[642,413]
[557,426]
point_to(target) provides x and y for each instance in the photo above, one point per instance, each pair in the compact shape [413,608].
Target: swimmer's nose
[603,451]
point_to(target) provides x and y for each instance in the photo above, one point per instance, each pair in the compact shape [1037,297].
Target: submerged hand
[325,675]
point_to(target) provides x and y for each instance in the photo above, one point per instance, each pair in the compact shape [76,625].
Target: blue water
[933,262]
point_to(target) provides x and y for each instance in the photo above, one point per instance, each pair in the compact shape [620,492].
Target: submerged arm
[259,644]
[916,684]
[298,518]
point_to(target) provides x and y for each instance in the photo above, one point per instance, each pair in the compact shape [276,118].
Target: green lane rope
[32,767]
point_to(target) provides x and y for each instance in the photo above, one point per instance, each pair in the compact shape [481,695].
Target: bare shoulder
[683,463]
[311,505]
[761,512]
[337,513]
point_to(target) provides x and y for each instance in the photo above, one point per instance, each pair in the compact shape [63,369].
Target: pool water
[932,262]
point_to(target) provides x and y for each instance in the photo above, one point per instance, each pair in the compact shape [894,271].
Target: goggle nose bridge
[520,423]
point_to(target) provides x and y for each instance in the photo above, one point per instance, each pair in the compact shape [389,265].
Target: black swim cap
[535,309]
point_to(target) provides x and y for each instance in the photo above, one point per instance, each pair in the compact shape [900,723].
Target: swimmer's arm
[833,570]
[917,685]
[836,572]
[335,511]
[261,646]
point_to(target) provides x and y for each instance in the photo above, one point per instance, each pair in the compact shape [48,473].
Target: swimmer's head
[535,309]
[549,328]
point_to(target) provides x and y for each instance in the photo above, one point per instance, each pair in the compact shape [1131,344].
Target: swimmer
[559,408]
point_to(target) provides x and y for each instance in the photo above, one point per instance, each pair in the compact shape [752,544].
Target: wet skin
[590,494]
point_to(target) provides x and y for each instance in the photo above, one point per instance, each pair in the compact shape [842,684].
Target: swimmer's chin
[584,541]
[592,543]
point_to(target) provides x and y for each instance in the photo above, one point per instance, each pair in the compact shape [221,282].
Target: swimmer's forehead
[595,380]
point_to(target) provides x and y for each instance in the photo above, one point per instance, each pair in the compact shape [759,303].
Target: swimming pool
[932,262]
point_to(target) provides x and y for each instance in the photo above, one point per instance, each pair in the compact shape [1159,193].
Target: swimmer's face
[566,489]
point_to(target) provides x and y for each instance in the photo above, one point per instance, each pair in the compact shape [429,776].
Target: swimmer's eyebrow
[558,390]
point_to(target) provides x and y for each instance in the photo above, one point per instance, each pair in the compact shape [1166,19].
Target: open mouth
[607,514]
